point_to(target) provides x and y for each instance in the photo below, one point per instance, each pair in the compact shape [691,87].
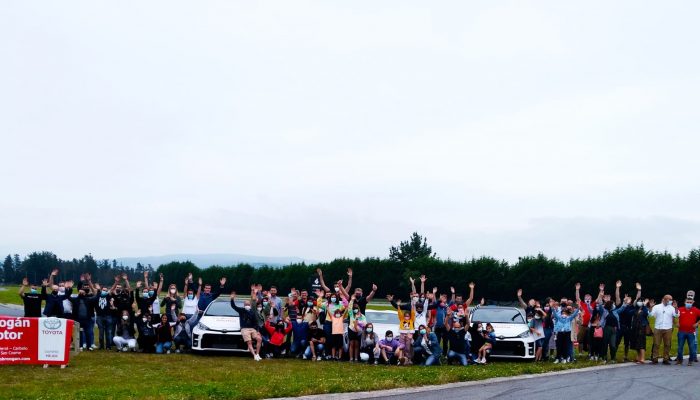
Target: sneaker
[83,348]
[564,361]
[376,362]
[125,349]
[318,358]
[93,347]
[167,352]
[679,361]
[556,361]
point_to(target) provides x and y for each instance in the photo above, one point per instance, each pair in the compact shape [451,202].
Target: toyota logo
[52,323]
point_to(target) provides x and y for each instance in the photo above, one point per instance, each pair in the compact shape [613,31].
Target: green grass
[110,375]
[9,295]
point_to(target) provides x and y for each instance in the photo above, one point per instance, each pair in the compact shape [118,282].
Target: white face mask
[247,308]
[125,317]
[640,303]
[172,291]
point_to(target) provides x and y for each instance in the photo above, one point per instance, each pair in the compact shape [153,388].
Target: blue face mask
[103,293]
[688,305]
[422,331]
[145,295]
[190,296]
[151,292]
[33,291]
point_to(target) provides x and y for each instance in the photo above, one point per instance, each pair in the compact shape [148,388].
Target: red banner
[35,340]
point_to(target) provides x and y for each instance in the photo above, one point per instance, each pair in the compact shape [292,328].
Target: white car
[513,337]
[219,329]
[383,320]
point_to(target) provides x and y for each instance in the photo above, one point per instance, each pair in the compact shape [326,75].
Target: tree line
[539,276]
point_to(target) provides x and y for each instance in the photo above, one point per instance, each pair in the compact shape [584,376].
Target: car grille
[509,348]
[224,342]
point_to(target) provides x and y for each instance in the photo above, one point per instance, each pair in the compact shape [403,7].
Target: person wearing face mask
[489,336]
[191,300]
[663,315]
[154,290]
[105,321]
[84,313]
[172,299]
[457,338]
[124,339]
[147,332]
[430,345]
[563,318]
[548,326]
[536,325]
[638,328]
[336,315]
[388,348]
[688,317]
[361,300]
[316,340]
[691,295]
[369,344]
[32,300]
[54,301]
[249,324]
[626,314]
[278,333]
[337,287]
[122,294]
[586,311]
[356,327]
[182,331]
[144,300]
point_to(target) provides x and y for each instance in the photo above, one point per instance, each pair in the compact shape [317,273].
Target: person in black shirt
[316,339]
[84,314]
[32,300]
[457,337]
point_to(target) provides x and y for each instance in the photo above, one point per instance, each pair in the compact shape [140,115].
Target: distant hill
[207,260]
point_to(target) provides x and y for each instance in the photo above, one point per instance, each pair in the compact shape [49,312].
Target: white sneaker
[257,357]
[167,352]
[556,361]
[318,358]
[93,347]
[564,361]
[125,349]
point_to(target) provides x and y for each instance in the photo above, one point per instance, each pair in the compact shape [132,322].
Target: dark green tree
[409,250]
[8,270]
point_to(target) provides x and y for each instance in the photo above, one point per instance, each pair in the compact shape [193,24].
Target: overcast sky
[328,129]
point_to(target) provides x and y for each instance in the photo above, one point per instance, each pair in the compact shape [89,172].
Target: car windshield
[499,315]
[221,309]
[382,317]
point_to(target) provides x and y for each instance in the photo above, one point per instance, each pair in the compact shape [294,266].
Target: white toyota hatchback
[513,337]
[219,329]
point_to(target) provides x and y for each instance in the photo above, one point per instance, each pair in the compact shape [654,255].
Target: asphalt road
[11,311]
[633,382]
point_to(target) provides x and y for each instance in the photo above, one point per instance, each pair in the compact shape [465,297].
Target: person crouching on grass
[490,339]
[249,324]
[164,331]
[278,333]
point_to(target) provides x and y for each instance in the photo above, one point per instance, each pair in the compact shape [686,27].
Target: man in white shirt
[663,314]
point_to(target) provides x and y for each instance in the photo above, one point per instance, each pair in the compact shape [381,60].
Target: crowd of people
[313,324]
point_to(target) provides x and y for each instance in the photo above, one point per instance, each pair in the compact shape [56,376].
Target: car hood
[221,323]
[380,329]
[508,330]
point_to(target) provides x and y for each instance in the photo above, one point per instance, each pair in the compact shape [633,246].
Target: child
[536,325]
[278,333]
[337,329]
[490,339]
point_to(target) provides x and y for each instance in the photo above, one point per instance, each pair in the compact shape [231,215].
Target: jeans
[690,337]
[563,345]
[459,356]
[162,347]
[87,332]
[441,333]
[318,349]
[105,330]
[547,337]
[183,340]
[298,346]
[695,345]
[432,360]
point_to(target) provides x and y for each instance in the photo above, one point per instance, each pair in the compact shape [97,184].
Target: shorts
[539,343]
[353,336]
[336,341]
[248,334]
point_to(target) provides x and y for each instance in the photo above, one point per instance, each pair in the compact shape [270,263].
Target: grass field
[8,295]
[110,375]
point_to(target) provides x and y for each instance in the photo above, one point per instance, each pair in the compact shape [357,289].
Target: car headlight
[202,326]
[524,334]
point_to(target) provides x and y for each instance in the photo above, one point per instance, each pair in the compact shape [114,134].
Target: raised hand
[54,272]
[411,279]
[145,274]
[618,284]
[161,276]
[44,282]
[423,278]
[117,278]
[199,281]
[349,272]
[452,289]
[638,286]
[88,276]
[472,285]
[483,301]
[434,289]
[374,287]
[125,276]
[520,292]
[319,272]
[233,295]
[189,277]
[578,285]
[390,297]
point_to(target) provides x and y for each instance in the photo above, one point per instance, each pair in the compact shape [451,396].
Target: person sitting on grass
[124,339]
[147,334]
[182,331]
[316,339]
[369,343]
[489,339]
[164,331]
[457,338]
[278,333]
[388,348]
[249,324]
[431,346]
